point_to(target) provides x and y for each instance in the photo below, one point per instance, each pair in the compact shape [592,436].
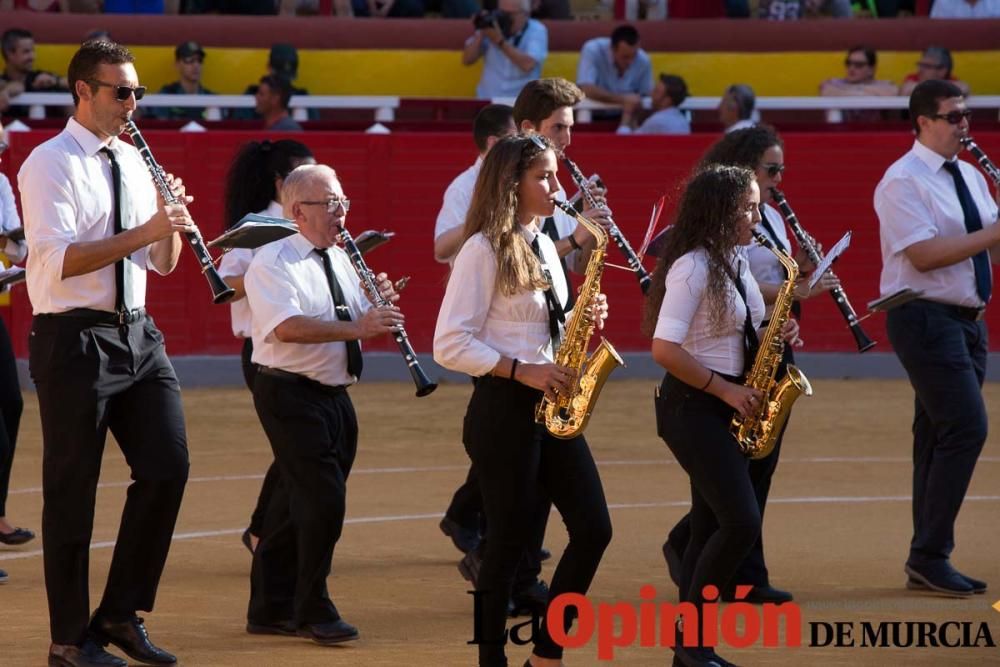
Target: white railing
[384,107]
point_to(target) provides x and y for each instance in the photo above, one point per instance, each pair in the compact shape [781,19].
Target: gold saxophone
[757,434]
[567,416]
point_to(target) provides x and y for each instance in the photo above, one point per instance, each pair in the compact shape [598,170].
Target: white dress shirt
[741,124]
[685,313]
[67,197]
[285,279]
[477,324]
[235,264]
[457,199]
[16,251]
[764,266]
[915,201]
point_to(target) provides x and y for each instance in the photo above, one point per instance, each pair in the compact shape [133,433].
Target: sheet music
[836,251]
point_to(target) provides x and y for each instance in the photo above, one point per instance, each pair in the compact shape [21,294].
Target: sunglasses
[953,117]
[331,204]
[773,169]
[855,63]
[122,93]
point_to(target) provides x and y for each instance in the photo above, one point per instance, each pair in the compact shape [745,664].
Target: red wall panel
[396,182]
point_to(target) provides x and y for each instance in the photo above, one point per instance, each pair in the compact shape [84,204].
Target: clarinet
[616,235]
[420,379]
[991,169]
[221,292]
[839,296]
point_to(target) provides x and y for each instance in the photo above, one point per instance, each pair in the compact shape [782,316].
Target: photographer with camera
[513,47]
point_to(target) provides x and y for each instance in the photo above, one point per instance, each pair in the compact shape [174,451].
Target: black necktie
[549,227]
[556,314]
[750,341]
[123,267]
[354,361]
[981,260]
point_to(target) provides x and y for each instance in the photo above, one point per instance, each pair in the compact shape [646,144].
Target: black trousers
[944,355]
[271,477]
[11,405]
[92,378]
[753,569]
[725,520]
[313,432]
[518,460]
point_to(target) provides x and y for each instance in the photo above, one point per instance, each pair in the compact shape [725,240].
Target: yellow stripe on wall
[439,73]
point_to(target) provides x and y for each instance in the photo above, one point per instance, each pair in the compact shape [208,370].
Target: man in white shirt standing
[94,225]
[492,123]
[615,70]
[513,47]
[309,316]
[938,230]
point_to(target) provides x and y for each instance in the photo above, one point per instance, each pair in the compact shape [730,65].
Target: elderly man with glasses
[935,63]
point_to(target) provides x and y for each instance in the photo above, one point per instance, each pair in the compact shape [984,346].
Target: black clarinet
[221,292]
[839,296]
[991,169]
[420,379]
[616,235]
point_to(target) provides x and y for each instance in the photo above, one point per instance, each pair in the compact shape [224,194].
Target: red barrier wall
[396,182]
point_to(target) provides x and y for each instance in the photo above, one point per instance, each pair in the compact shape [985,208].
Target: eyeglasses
[773,169]
[855,63]
[923,65]
[122,93]
[953,117]
[332,204]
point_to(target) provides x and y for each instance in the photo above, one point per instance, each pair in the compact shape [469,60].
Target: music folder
[11,276]
[369,239]
[253,231]
[836,251]
[894,300]
[16,234]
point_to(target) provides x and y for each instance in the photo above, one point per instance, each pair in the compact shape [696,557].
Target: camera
[486,18]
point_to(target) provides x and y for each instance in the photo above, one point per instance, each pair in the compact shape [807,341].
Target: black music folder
[254,231]
[10,277]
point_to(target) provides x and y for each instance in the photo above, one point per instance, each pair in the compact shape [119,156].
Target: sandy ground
[836,532]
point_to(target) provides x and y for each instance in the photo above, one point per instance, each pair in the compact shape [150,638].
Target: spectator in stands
[615,70]
[512,45]
[965,9]
[188,58]
[736,107]
[282,61]
[792,10]
[859,80]
[934,63]
[273,93]
[19,75]
[667,118]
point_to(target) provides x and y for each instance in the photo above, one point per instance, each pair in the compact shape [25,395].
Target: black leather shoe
[941,578]
[464,539]
[130,636]
[544,554]
[245,539]
[87,655]
[532,599]
[469,566]
[673,562]
[334,632]
[978,587]
[760,595]
[16,536]
[283,628]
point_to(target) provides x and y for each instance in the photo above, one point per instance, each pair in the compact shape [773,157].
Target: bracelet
[711,377]
[513,368]
[572,242]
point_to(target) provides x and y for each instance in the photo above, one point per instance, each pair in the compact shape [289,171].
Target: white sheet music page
[836,251]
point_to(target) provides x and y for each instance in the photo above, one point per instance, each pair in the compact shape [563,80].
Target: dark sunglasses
[953,117]
[773,169]
[855,63]
[122,93]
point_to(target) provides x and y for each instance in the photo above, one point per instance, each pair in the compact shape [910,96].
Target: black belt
[973,314]
[101,317]
[288,376]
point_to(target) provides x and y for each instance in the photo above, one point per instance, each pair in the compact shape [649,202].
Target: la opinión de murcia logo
[738,625]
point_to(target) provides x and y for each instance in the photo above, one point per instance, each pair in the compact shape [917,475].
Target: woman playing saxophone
[703,310]
[500,322]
